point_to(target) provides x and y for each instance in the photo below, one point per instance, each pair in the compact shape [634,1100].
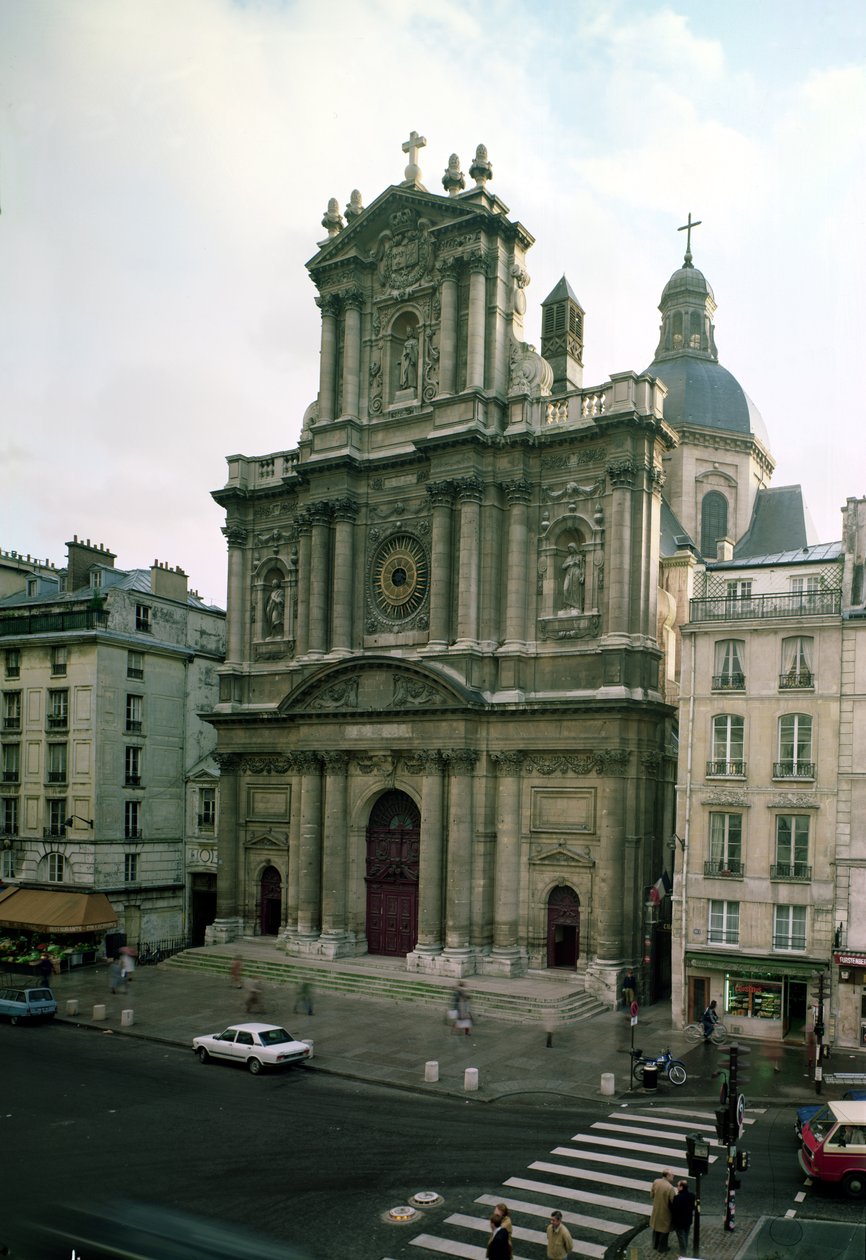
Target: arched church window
[695,333]
[677,330]
[714,521]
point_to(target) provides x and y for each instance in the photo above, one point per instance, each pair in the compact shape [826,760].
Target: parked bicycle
[695,1032]
[668,1066]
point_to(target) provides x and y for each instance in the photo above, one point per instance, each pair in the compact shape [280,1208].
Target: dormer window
[32,586]
[95,579]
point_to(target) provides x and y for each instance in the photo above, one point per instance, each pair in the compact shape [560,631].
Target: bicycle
[695,1032]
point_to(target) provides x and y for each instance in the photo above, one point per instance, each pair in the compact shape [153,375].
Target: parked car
[834,1146]
[257,1045]
[804,1114]
[16,1004]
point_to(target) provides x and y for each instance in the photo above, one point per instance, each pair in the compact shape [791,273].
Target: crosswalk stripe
[628,1146]
[634,1117]
[619,1161]
[571,1218]
[631,1128]
[582,1196]
[449,1246]
[581,1246]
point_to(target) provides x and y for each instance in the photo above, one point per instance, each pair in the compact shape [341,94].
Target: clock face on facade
[401,576]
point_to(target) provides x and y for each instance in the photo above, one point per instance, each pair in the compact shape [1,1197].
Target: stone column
[228,925]
[507,957]
[334,940]
[310,855]
[292,883]
[442,497]
[457,956]
[235,537]
[619,575]
[320,515]
[431,849]
[518,495]
[344,511]
[330,306]
[448,328]
[352,302]
[303,637]
[469,567]
[476,331]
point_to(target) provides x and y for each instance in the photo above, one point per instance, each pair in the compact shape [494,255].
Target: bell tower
[562,337]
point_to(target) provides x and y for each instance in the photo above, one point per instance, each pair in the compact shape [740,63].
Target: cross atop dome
[687,228]
[412,172]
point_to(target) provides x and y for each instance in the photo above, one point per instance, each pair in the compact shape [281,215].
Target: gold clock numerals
[400,577]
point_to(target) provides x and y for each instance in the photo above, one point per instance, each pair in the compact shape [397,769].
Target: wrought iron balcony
[801,872]
[793,769]
[760,607]
[56,776]
[52,622]
[789,942]
[730,869]
[132,780]
[726,769]
[132,833]
[729,682]
[133,727]
[11,776]
[12,723]
[723,936]
[133,671]
[797,680]
[54,831]
[57,721]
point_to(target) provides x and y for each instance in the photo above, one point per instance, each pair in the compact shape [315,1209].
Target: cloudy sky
[164,167]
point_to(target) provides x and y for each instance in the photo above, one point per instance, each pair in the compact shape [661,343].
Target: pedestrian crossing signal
[723,1125]
[744,1159]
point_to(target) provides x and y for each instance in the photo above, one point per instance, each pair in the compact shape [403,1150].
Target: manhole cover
[427,1198]
[402,1215]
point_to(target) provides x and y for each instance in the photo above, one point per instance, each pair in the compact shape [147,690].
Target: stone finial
[453,181]
[481,169]
[355,206]
[332,219]
[412,173]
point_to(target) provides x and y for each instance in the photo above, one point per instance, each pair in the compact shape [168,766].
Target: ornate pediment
[268,840]
[561,855]
[377,688]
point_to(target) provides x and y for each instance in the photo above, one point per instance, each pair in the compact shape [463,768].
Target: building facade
[104,675]
[442,728]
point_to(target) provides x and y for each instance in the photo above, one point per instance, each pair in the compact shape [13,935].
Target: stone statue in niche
[573,579]
[409,363]
[275,610]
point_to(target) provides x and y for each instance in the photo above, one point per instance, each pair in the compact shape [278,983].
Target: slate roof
[780,525]
[701,392]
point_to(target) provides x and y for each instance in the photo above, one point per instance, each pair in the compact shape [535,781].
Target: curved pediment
[379,685]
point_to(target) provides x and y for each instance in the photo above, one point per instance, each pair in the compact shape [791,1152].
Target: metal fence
[152,952]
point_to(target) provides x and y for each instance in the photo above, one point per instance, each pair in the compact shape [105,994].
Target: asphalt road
[305,1158]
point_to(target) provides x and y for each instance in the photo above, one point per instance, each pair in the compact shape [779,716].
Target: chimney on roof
[168,583]
[80,559]
[725,549]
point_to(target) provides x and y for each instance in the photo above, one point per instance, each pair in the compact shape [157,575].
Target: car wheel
[13,1019]
[255,1066]
[203,1056]
[677,1074]
[854,1185]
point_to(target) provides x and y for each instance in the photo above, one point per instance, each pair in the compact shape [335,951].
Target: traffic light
[744,1159]
[819,1029]
[723,1125]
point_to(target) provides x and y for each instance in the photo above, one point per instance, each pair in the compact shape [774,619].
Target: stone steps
[518,1007]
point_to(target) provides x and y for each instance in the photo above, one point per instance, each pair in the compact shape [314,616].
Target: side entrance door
[393,838]
[563,928]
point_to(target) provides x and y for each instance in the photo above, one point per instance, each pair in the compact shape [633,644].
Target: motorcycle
[673,1069]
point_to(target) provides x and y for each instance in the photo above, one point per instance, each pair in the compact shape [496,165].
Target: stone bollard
[72,1006]
[127,1018]
[608,1084]
[99,1011]
[431,1071]
[470,1079]
[311,1044]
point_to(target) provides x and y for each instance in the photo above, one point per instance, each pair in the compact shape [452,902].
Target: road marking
[619,1161]
[571,1218]
[597,1140]
[634,1117]
[800,1196]
[790,1212]
[583,1196]
[629,1146]
[581,1246]
[629,1128]
[449,1246]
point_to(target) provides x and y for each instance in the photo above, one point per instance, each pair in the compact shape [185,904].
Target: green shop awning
[755,968]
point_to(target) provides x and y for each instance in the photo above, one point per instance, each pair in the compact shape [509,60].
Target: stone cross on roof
[413,170]
[687,228]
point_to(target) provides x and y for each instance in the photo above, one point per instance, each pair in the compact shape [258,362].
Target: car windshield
[274,1036]
[822,1123]
[41,995]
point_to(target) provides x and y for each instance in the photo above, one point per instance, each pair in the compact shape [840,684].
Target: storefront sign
[850,960]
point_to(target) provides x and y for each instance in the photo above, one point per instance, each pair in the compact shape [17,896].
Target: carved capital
[477,261]
[448,269]
[657,477]
[353,299]
[651,762]
[508,763]
[461,761]
[329,305]
[441,493]
[344,509]
[519,491]
[235,535]
[229,763]
[320,512]
[622,473]
[306,762]
[469,489]
[335,762]
[429,762]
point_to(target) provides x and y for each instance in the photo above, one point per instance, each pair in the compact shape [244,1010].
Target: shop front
[69,927]
[851,998]
[758,997]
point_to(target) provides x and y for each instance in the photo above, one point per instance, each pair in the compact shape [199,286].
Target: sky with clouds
[164,167]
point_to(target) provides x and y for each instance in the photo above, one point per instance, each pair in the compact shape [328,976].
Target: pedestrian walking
[811,1047]
[45,967]
[502,1217]
[709,1019]
[463,1022]
[252,1001]
[559,1240]
[128,955]
[304,1000]
[629,988]
[662,1193]
[682,1214]
[236,971]
[499,1244]
[116,978]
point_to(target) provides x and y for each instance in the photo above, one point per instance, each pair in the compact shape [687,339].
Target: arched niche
[405,356]
[570,565]
[274,591]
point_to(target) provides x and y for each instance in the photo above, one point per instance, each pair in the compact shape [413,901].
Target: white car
[257,1045]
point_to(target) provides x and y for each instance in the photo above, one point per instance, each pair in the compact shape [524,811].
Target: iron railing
[48,623]
[729,682]
[800,871]
[726,769]
[793,769]
[730,869]
[760,607]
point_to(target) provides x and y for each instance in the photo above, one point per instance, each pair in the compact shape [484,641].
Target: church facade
[443,729]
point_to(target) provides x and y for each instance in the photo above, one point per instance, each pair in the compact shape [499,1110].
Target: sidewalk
[388,1042]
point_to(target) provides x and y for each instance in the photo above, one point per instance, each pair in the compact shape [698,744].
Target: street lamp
[88,822]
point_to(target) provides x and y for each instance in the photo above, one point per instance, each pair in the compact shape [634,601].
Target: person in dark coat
[499,1245]
[45,967]
[682,1214]
[709,1019]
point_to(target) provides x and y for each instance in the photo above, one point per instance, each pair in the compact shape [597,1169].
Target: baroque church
[446,727]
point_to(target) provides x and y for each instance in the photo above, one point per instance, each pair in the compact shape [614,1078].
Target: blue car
[18,1004]
[805,1114]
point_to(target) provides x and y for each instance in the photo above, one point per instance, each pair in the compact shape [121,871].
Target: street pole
[697,1235]
[819,1036]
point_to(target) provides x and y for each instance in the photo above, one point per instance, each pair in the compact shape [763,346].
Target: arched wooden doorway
[393,839]
[270,901]
[563,928]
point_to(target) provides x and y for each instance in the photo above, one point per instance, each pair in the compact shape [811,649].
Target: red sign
[850,960]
